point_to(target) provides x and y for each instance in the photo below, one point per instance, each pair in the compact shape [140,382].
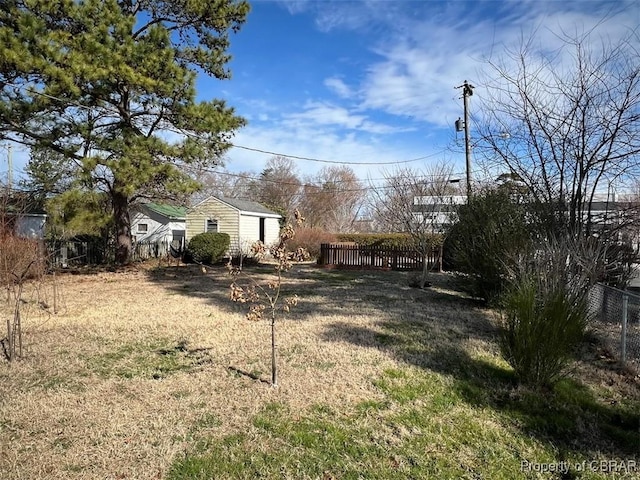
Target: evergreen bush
[388,240]
[208,248]
[490,232]
[541,328]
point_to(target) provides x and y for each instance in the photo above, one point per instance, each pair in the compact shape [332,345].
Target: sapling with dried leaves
[265,299]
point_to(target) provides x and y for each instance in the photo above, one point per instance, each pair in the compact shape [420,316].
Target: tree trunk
[17,326]
[425,269]
[274,368]
[11,349]
[122,222]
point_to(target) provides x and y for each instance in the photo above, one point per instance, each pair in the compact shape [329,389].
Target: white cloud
[413,84]
[337,85]
[366,15]
[326,114]
[295,6]
[324,143]
[426,49]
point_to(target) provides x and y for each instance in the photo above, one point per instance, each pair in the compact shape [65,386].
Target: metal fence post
[623,339]
[64,251]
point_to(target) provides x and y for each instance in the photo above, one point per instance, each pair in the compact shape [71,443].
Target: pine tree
[111,86]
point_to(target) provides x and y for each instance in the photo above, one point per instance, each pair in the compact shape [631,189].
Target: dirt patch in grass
[143,366]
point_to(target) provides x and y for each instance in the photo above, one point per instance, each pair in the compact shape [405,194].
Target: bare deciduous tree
[279,185]
[416,203]
[572,118]
[225,184]
[20,259]
[332,199]
[265,298]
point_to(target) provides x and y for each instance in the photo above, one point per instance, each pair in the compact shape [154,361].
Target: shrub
[310,239]
[20,256]
[20,259]
[389,240]
[541,328]
[208,248]
[545,314]
[489,233]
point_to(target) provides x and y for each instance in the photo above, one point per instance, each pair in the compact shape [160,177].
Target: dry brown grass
[84,402]
[143,365]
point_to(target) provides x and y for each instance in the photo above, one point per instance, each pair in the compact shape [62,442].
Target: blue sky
[373,80]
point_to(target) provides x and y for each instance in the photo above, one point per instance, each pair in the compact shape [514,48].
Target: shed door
[262,226]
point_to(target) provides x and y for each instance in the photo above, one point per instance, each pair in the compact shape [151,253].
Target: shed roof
[170,211]
[246,206]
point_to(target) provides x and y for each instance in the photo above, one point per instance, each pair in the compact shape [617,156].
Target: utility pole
[467,91]
[10,166]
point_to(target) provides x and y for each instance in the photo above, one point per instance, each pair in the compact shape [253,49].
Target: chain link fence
[616,322]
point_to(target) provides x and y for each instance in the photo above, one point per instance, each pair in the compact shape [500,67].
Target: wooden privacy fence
[362,256]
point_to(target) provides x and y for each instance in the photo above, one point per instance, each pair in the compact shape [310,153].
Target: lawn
[154,373]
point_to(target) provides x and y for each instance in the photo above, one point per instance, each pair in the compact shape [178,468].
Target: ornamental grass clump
[265,299]
[541,329]
[545,314]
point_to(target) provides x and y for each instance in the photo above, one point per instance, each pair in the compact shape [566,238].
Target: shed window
[142,227]
[212,226]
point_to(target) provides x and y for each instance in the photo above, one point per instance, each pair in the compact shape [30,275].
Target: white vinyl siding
[151,227]
[248,230]
[31,225]
[271,230]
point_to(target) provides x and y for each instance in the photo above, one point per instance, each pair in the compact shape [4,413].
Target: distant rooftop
[440,200]
[170,211]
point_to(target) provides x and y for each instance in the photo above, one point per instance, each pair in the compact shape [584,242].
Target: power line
[337,162]
[243,147]
[268,152]
[279,182]
[428,179]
